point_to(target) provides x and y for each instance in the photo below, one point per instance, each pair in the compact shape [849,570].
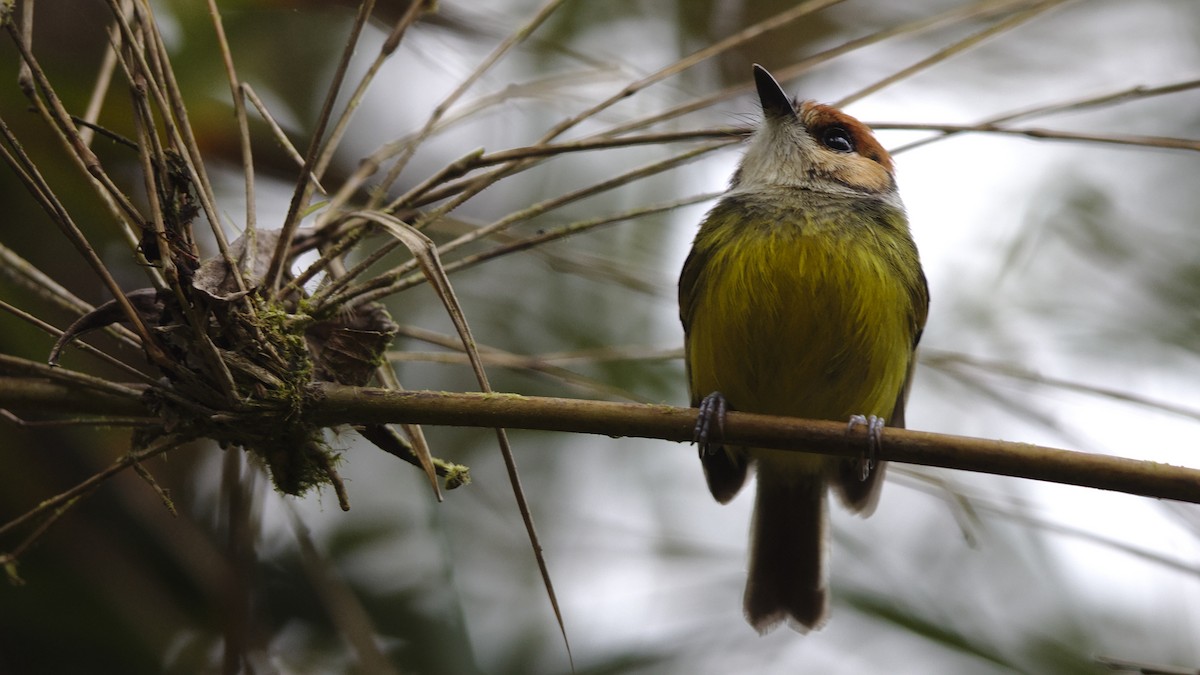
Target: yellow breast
[801,311]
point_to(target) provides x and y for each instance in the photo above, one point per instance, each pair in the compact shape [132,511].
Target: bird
[803,295]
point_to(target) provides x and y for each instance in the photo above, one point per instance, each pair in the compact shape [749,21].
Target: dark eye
[837,139]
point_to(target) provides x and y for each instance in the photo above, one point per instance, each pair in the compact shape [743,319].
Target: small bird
[803,295]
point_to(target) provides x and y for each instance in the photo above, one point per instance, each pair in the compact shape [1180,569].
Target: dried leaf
[349,347]
[146,301]
[216,280]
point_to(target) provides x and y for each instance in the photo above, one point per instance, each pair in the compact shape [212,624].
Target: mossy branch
[331,405]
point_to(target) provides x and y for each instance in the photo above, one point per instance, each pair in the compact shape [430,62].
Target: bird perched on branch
[803,295]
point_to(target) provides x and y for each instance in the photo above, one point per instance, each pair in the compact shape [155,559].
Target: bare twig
[498,357]
[239,114]
[23,273]
[83,346]
[407,18]
[68,498]
[332,404]
[58,213]
[303,188]
[1112,98]
[951,360]
[426,254]
[342,604]
[982,8]
[1050,134]
[278,132]
[957,48]
[1022,460]
[741,37]
[379,287]
[408,149]
[14,365]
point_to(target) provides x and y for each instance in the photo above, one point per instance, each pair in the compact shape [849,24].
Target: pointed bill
[775,101]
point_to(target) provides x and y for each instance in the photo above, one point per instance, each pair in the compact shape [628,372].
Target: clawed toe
[874,426]
[711,412]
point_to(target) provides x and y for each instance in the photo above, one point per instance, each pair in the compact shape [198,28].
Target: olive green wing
[859,493]
[920,297]
[724,468]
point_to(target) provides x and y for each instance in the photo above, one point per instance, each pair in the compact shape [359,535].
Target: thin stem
[1164,142]
[15,365]
[493,356]
[982,8]
[953,360]
[741,37]
[303,190]
[954,49]
[1021,460]
[1113,98]
[407,151]
[373,289]
[536,240]
[277,131]
[58,213]
[239,114]
[82,346]
[92,482]
[389,46]
[100,89]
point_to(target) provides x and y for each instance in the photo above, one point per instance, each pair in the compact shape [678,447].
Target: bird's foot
[712,414]
[874,426]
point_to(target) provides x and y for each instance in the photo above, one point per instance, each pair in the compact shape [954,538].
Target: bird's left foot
[874,426]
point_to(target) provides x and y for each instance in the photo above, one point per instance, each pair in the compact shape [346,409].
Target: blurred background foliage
[1049,262]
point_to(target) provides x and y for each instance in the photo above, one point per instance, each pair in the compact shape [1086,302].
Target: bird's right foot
[712,415]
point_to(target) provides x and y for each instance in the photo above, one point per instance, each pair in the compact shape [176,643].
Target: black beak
[775,102]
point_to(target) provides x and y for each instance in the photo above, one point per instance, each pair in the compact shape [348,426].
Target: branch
[1023,460]
[1165,142]
[331,405]
[41,395]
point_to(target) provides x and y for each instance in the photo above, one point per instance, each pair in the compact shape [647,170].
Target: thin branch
[981,9]
[532,242]
[335,404]
[303,189]
[1143,668]
[15,365]
[100,89]
[1129,95]
[426,253]
[343,606]
[407,151]
[954,360]
[407,18]
[743,36]
[1024,512]
[378,287]
[239,114]
[23,273]
[277,131]
[58,213]
[1165,142]
[952,50]
[493,356]
[68,498]
[731,134]
[164,90]
[79,344]
[80,421]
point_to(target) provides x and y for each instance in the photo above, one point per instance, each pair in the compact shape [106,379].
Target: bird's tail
[787,580]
